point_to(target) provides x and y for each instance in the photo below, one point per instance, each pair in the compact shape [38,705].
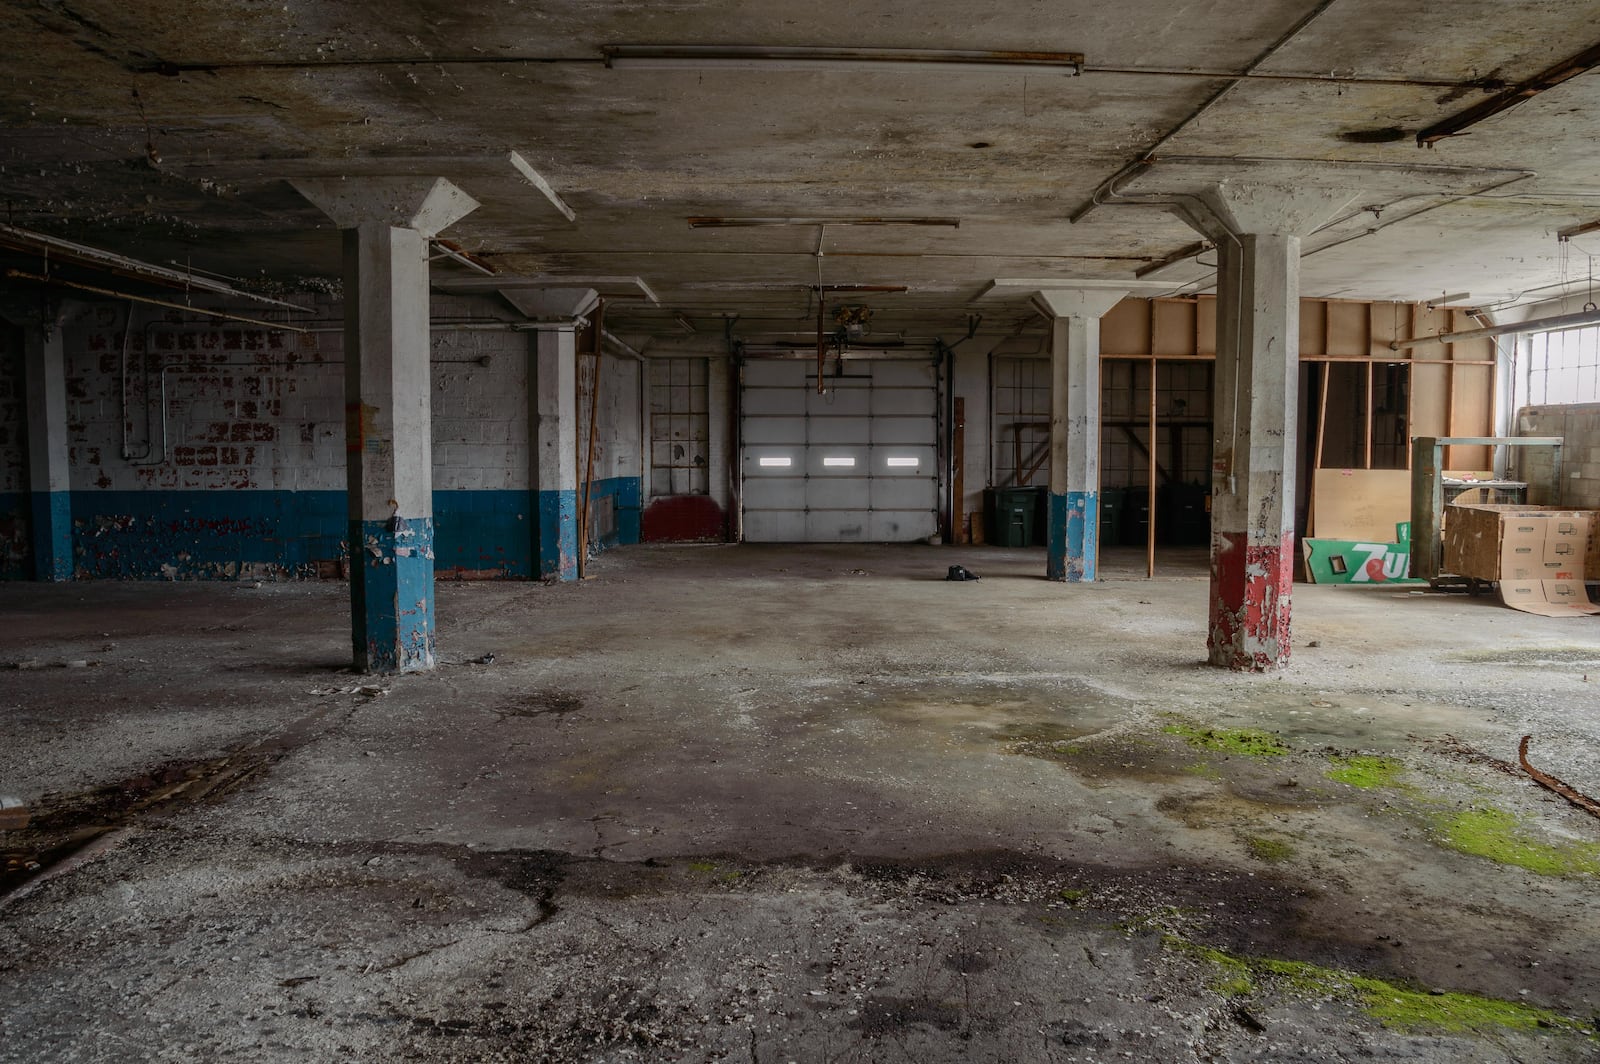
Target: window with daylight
[1564,367]
[680,427]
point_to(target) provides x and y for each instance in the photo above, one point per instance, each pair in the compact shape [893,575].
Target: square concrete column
[388,438]
[553,421]
[49,477]
[719,408]
[555,447]
[1257,230]
[1072,547]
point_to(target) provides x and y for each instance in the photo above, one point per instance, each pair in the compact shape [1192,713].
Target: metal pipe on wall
[1553,324]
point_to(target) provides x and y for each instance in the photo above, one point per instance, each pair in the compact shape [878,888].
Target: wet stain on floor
[547,703]
[64,824]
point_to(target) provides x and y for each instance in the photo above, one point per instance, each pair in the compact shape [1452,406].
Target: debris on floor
[13,813]
[959,572]
[1550,783]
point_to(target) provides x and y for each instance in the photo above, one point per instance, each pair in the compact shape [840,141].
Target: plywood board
[1360,504]
[1172,327]
[1313,328]
[1125,328]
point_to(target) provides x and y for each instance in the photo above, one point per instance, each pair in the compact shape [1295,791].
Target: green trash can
[1012,519]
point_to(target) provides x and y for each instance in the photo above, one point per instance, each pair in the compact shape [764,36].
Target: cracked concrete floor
[778,804]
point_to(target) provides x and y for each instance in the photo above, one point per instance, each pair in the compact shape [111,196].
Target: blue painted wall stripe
[1072,550]
[221,534]
[16,553]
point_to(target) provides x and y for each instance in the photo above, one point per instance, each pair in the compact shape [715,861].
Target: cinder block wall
[248,478]
[1580,455]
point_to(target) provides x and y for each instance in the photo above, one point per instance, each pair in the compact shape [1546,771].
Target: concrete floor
[779,804]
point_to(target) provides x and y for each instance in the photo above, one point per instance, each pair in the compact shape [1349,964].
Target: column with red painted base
[1257,229]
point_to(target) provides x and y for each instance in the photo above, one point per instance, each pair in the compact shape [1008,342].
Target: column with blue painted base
[387,224]
[49,480]
[554,391]
[1072,546]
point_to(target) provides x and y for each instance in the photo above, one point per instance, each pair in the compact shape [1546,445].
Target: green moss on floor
[1271,851]
[1501,837]
[1368,773]
[1235,977]
[1396,1006]
[1247,742]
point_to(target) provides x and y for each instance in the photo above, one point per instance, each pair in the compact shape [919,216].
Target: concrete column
[719,410]
[553,421]
[388,437]
[1072,548]
[1257,229]
[49,478]
[555,447]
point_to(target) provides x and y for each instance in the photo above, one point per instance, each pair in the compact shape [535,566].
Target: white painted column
[1072,547]
[387,223]
[553,421]
[555,445]
[1257,229]
[719,444]
[44,376]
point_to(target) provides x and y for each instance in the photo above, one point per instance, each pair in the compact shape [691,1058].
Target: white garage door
[859,463]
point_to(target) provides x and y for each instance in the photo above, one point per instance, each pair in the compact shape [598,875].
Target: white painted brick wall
[277,423]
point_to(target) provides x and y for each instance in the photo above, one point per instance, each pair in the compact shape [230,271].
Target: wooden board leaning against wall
[1449,389]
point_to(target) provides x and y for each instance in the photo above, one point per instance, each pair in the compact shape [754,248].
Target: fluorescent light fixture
[838,460]
[898,60]
[898,462]
[781,461]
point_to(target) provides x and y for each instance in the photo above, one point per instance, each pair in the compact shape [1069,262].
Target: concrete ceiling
[171,131]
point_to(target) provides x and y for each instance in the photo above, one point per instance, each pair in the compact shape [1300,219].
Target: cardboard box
[1538,556]
[1503,542]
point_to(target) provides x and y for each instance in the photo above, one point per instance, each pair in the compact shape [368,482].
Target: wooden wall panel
[1172,328]
[1348,327]
[1125,328]
[1313,327]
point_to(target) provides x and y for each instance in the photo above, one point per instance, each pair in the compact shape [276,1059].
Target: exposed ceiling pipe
[456,253]
[621,346]
[1560,321]
[23,275]
[82,254]
[1546,79]
[1485,84]
[1211,101]
[174,69]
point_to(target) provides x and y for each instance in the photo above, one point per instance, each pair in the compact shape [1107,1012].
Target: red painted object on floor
[684,519]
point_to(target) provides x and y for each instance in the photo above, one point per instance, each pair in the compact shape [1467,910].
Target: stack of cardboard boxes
[1538,555]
